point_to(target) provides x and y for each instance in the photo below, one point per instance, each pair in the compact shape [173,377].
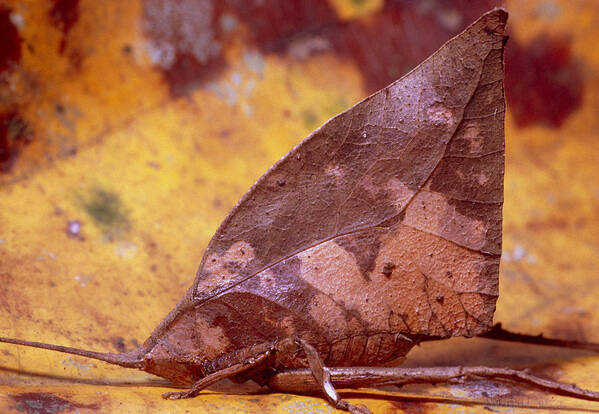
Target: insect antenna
[132,359]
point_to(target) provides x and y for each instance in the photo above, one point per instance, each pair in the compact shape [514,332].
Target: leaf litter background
[129,129]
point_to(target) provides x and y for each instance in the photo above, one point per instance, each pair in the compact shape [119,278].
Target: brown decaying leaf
[413,176]
[380,230]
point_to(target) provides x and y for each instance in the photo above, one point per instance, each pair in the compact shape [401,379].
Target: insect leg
[213,378]
[322,375]
[498,333]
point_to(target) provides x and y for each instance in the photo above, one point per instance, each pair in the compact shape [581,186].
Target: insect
[379,231]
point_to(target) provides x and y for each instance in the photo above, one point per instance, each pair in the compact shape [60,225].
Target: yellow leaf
[105,214]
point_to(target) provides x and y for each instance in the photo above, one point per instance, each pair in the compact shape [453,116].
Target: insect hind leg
[322,375]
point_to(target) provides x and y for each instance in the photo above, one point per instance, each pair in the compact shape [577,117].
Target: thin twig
[302,381]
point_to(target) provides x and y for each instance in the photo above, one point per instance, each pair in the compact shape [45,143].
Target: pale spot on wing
[267,280]
[240,252]
[475,139]
[368,185]
[424,289]
[219,270]
[482,178]
[213,338]
[419,296]
[431,212]
[334,271]
[398,193]
[441,116]
[329,316]
[403,291]
[334,171]
[479,229]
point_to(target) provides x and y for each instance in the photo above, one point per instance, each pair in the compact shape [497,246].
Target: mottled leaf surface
[411,178]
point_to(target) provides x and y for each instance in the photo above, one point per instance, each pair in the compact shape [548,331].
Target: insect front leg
[215,377]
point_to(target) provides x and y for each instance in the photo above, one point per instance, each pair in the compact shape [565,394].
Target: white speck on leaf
[73,227]
[228,22]
[17,19]
[83,279]
[70,362]
[255,62]
[519,253]
[126,250]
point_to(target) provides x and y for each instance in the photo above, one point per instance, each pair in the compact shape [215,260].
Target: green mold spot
[107,211]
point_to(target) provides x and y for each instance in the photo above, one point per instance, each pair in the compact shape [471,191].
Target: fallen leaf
[380,230]
[409,178]
[172,165]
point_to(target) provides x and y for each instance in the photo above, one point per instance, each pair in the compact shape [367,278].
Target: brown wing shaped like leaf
[382,226]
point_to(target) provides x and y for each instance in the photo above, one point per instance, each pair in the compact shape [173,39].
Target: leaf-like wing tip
[495,20]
